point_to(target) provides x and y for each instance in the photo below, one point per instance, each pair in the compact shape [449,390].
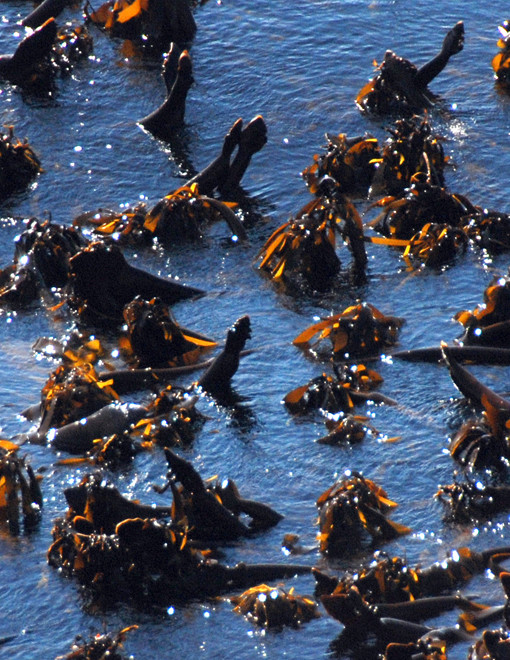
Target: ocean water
[300,65]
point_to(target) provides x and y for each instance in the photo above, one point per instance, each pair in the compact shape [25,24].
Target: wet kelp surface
[301,69]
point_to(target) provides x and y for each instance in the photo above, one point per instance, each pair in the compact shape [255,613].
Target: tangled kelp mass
[120,201]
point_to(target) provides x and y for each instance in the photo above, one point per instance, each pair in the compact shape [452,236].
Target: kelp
[481,442]
[360,166]
[19,163]
[489,322]
[333,394]
[501,61]
[73,393]
[44,54]
[304,248]
[182,215]
[387,579]
[41,261]
[151,24]
[155,339]
[399,87]
[424,649]
[348,429]
[350,162]
[435,245]
[139,559]
[360,330]
[411,149]
[20,493]
[101,645]
[101,283]
[493,645]
[211,511]
[274,607]
[421,203]
[471,502]
[352,507]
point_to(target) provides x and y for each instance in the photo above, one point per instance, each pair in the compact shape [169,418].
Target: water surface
[300,65]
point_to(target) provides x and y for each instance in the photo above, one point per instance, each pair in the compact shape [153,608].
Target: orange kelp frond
[349,162]
[435,245]
[351,506]
[125,225]
[332,394]
[184,213]
[412,149]
[501,61]
[20,494]
[421,203]
[305,246]
[494,309]
[273,607]
[156,339]
[19,163]
[359,330]
[71,394]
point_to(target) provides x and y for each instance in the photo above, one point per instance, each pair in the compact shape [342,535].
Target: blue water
[300,65]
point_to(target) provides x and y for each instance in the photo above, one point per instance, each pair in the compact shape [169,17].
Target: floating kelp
[394,621]
[351,384]
[41,260]
[501,61]
[489,323]
[472,502]
[434,225]
[102,645]
[101,505]
[110,452]
[20,494]
[391,580]
[45,53]
[488,230]
[411,149]
[493,645]
[156,339]
[182,215]
[185,214]
[72,44]
[142,560]
[350,162]
[463,354]
[359,165]
[352,507]
[273,607]
[422,203]
[424,649]
[169,420]
[212,512]
[151,24]
[71,394]
[47,247]
[178,77]
[19,163]
[102,283]
[399,87]
[435,245]
[349,429]
[304,248]
[360,330]
[44,10]
[481,442]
